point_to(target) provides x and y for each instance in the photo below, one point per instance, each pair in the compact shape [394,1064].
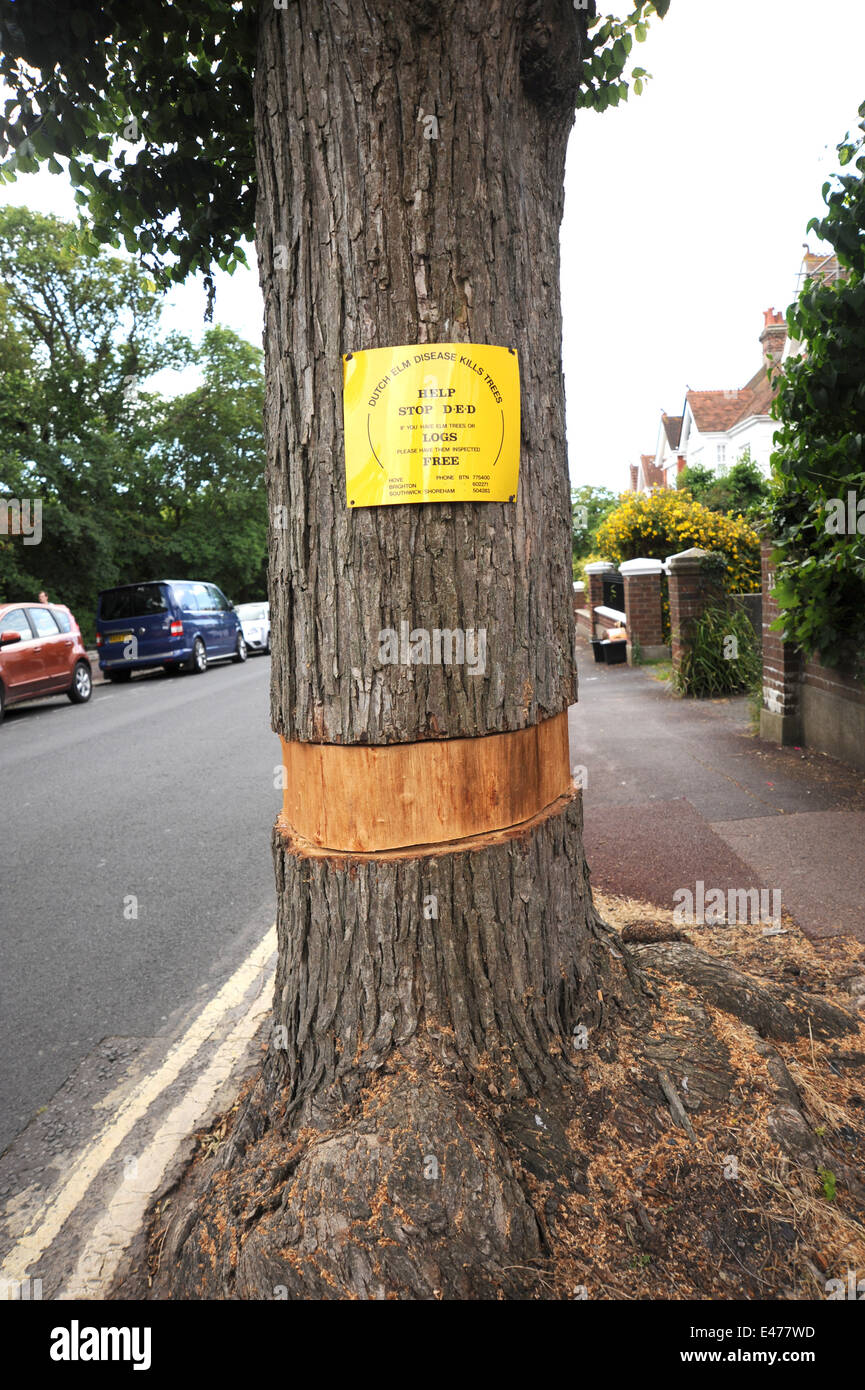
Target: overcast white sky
[686,211]
[685,214]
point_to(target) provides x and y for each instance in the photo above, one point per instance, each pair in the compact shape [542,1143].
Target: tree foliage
[207,464]
[589,507]
[741,491]
[151,105]
[131,484]
[84,329]
[610,42]
[820,457]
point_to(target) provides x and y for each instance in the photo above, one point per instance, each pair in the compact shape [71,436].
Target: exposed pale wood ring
[296,844]
[364,799]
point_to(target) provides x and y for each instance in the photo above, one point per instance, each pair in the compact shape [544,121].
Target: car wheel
[198,661]
[241,651]
[119,677]
[82,684]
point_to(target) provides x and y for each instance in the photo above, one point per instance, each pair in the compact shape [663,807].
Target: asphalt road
[157,797]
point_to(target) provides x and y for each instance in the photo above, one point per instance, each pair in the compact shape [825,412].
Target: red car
[41,653]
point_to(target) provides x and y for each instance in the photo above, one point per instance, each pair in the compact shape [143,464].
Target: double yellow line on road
[106,1242]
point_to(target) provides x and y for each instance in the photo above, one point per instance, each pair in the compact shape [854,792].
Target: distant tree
[81,330]
[660,523]
[131,484]
[207,471]
[589,507]
[741,491]
[697,480]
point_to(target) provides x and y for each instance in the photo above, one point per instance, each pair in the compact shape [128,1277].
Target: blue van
[180,624]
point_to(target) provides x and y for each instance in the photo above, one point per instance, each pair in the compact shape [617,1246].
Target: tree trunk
[391,238]
[429,996]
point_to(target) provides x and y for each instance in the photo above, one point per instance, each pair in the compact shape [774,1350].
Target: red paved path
[679,791]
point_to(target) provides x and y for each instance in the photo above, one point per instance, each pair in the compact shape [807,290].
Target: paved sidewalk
[680,790]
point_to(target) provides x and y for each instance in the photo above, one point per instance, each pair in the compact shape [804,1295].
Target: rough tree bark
[424,1060]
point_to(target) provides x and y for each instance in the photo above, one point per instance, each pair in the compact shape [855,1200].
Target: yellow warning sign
[439,422]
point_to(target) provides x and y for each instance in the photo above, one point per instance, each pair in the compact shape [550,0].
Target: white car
[255,621]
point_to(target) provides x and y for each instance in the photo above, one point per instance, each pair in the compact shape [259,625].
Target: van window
[193,598]
[218,599]
[136,601]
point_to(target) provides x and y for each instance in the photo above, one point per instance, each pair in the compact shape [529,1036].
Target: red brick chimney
[773,337]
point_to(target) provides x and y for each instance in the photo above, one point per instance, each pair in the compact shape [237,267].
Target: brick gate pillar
[780,714]
[595,575]
[693,587]
[645,620]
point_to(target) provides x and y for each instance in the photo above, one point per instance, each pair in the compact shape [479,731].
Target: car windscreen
[135,601]
[253,612]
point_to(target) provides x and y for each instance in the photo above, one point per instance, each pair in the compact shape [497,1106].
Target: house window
[720,457]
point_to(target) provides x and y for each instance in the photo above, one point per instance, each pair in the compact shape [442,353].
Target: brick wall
[603,624]
[804,702]
[834,682]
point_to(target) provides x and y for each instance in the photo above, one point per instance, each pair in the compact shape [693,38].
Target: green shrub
[722,655]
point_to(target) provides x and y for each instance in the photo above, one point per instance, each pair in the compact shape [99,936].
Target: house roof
[715,412]
[652,472]
[673,429]
[821,267]
[762,393]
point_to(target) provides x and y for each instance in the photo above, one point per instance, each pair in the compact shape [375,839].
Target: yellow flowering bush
[665,521]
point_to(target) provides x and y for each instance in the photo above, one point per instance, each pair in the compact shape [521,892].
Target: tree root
[774,1012]
[658,1161]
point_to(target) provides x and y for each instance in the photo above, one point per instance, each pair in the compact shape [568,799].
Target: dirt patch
[695,1159]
